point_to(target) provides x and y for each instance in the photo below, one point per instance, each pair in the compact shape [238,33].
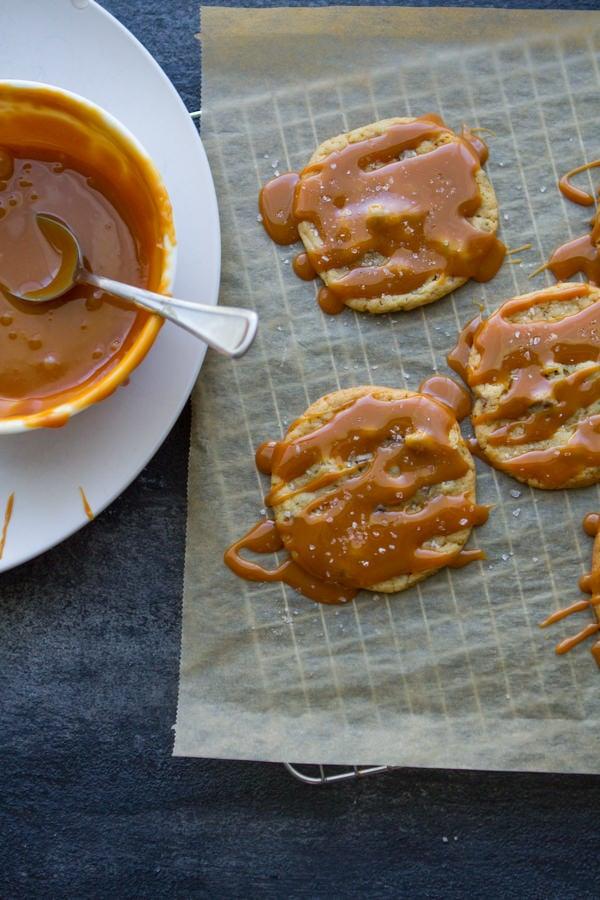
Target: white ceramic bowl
[118,140]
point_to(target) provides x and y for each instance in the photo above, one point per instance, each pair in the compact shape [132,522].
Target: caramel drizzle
[571,192]
[264,537]
[330,302]
[377,454]
[7,517]
[532,408]
[303,268]
[582,254]
[458,358]
[589,584]
[387,218]
[471,136]
[465,557]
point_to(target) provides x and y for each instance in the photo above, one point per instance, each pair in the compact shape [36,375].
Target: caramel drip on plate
[589,584]
[367,507]
[448,392]
[7,517]
[386,218]
[517,355]
[86,506]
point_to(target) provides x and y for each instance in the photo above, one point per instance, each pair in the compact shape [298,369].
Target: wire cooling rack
[318,774]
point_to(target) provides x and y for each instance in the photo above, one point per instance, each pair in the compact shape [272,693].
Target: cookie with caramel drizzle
[371,488]
[534,367]
[392,215]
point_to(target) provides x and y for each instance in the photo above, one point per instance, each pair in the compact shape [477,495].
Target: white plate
[77,45]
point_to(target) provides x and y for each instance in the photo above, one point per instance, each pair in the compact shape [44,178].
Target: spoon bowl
[64,242]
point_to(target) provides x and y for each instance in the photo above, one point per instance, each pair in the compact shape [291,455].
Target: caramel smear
[7,517]
[353,478]
[387,219]
[516,355]
[589,584]
[581,254]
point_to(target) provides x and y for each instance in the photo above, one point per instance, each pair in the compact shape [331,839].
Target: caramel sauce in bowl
[62,155]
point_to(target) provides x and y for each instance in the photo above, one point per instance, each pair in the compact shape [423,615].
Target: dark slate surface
[93,805]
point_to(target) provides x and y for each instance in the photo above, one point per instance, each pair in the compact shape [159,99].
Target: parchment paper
[454,672]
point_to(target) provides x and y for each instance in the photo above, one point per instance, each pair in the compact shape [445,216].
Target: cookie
[371,488]
[534,369]
[397,214]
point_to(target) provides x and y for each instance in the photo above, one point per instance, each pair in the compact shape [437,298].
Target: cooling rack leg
[316,774]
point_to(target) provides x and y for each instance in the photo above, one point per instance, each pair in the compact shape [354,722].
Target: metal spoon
[228,329]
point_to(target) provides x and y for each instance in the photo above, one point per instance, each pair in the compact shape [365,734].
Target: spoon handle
[228,329]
